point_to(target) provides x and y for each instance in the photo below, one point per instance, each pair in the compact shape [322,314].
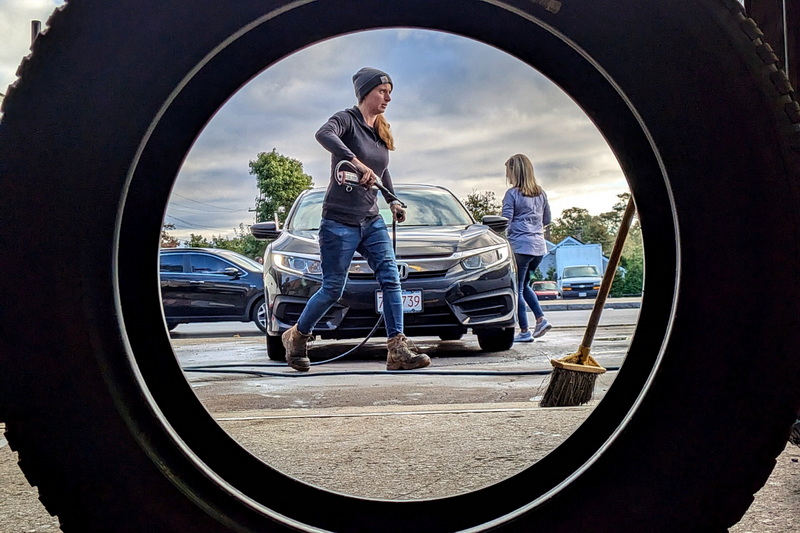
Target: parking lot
[470,421]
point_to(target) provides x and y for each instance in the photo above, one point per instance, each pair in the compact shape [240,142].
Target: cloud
[460,108]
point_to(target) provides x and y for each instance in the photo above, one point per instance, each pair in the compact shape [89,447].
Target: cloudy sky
[460,109]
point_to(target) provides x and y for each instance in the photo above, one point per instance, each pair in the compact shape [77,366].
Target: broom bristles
[568,388]
[572,381]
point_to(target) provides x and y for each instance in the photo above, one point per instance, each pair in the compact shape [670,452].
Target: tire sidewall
[692,378]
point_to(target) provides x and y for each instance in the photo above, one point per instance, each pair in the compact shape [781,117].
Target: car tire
[259,315]
[495,340]
[451,336]
[688,96]
[275,348]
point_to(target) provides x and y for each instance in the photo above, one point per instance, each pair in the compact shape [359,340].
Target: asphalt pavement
[505,410]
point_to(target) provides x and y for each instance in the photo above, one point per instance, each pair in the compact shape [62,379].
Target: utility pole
[36,29]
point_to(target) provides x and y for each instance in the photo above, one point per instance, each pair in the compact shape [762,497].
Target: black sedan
[211,285]
[456,274]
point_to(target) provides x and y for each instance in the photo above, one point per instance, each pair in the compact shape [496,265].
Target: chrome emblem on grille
[402,269]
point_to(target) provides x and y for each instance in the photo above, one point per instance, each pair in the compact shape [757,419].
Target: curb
[588,304]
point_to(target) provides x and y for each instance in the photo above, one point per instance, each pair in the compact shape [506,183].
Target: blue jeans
[338,243]
[526,264]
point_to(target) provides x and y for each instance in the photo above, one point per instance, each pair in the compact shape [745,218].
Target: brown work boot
[296,345]
[403,357]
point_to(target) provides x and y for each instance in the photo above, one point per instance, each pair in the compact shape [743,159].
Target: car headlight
[486,259]
[296,264]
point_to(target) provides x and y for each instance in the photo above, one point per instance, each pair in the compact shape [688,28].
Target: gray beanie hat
[367,79]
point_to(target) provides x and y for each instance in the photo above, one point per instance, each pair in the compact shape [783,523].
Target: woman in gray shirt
[526,207]
[360,137]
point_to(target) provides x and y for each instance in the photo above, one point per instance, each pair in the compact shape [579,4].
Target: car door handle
[196,282]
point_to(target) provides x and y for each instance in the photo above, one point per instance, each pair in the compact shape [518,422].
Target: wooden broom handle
[608,276]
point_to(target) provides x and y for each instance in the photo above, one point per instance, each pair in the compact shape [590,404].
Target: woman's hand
[398,212]
[368,177]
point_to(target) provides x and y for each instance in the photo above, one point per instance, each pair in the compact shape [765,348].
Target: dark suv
[456,274]
[211,285]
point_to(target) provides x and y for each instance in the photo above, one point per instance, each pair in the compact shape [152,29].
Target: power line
[205,203]
[199,210]
[190,224]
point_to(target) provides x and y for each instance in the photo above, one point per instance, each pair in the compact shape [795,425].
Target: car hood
[412,242]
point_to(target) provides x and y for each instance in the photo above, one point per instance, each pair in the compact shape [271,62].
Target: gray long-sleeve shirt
[345,135]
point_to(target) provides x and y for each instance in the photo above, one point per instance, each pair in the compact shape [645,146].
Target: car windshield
[580,271]
[546,286]
[427,206]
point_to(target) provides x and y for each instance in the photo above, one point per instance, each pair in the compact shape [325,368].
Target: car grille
[411,275]
[485,307]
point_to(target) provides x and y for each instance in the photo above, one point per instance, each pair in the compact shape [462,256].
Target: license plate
[581,294]
[412,301]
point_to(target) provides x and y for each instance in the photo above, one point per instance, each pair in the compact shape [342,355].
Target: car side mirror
[232,272]
[265,230]
[495,222]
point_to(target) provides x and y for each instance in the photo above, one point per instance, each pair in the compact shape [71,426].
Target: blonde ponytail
[384,131]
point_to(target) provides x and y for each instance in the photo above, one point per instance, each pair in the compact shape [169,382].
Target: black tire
[275,349]
[794,436]
[259,315]
[686,94]
[451,335]
[495,340]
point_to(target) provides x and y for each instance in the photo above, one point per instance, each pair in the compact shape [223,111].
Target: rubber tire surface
[496,340]
[94,132]
[275,349]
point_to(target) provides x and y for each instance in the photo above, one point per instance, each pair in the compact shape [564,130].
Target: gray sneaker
[541,328]
[524,337]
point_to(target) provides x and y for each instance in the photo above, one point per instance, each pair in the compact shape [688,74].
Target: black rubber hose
[227,369]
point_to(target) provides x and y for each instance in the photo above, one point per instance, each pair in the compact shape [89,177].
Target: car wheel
[451,335]
[275,349]
[688,96]
[495,340]
[260,315]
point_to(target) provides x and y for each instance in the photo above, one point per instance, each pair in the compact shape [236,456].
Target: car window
[426,207]
[171,262]
[241,260]
[575,272]
[207,264]
[308,214]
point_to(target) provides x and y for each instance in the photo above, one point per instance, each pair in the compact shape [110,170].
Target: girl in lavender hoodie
[526,207]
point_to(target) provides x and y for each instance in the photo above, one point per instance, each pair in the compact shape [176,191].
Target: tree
[167,240]
[243,243]
[632,259]
[576,222]
[197,241]
[481,204]
[280,182]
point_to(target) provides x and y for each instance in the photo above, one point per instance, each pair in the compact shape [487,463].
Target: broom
[574,376]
